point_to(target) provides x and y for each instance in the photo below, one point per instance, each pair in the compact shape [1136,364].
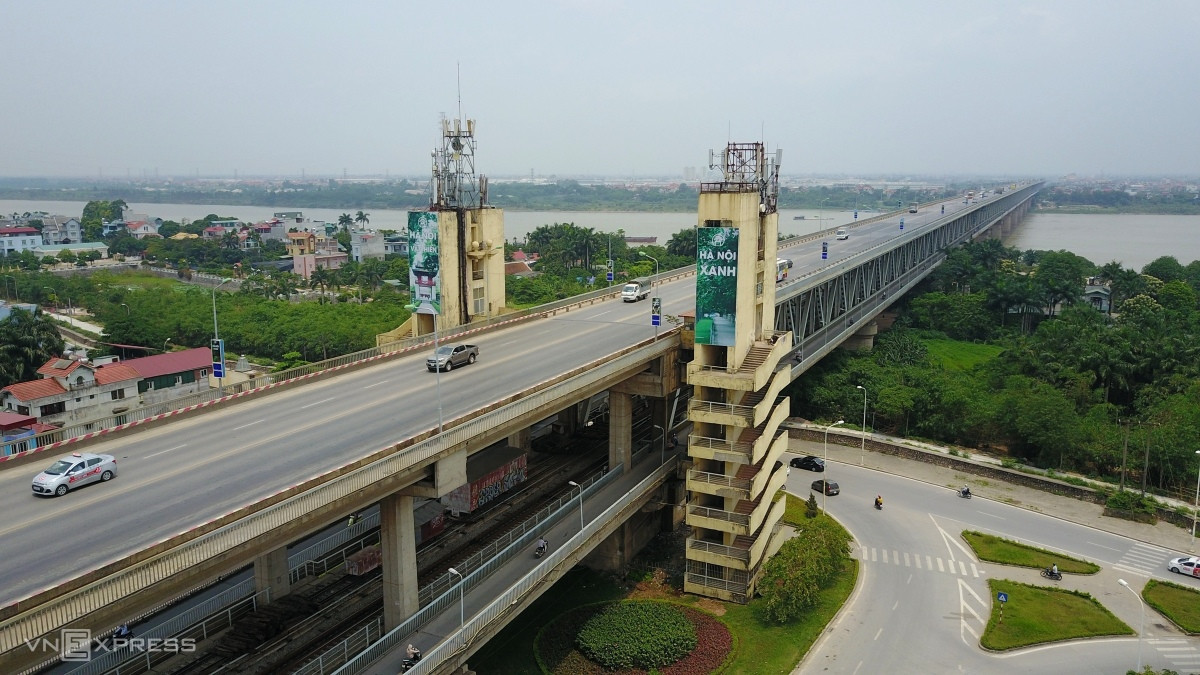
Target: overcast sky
[601,87]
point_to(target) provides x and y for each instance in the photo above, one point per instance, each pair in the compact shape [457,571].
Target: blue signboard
[218,370]
[1002,597]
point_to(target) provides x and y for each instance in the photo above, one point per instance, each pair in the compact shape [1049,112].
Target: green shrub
[617,638]
[810,507]
[1127,500]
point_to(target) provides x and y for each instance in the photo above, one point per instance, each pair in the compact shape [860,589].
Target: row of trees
[27,340]
[1062,386]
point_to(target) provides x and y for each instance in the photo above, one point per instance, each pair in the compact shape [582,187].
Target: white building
[13,240]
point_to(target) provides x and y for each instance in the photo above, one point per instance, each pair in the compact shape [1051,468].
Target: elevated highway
[211,493]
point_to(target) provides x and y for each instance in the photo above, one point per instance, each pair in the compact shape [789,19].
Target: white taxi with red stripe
[68,473]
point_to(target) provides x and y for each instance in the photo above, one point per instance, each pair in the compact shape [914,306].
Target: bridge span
[212,493]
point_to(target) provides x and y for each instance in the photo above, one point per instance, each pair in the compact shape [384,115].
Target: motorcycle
[1051,574]
[539,551]
[878,505]
[964,493]
[414,655]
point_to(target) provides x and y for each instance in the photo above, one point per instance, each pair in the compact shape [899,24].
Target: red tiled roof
[116,372]
[172,362]
[35,389]
[10,420]
[59,367]
[13,231]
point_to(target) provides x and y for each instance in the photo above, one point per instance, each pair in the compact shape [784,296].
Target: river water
[1134,240]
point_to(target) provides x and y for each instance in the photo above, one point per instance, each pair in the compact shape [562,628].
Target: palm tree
[362,219]
[345,221]
[27,340]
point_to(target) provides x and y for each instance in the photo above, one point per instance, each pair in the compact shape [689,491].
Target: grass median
[1007,552]
[1178,603]
[1037,615]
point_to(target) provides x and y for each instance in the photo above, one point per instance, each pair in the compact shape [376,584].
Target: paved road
[922,600]
[181,474]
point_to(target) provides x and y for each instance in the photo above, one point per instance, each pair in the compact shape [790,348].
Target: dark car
[827,486]
[811,463]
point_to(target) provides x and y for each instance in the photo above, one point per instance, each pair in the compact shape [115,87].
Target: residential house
[61,230]
[396,244]
[18,432]
[141,229]
[109,227]
[1098,294]
[14,240]
[172,374]
[366,245]
[301,243]
[43,250]
[73,391]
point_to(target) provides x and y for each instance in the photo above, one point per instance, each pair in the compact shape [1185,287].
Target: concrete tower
[737,374]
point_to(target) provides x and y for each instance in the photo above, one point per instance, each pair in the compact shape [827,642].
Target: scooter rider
[965,491]
[878,501]
[542,545]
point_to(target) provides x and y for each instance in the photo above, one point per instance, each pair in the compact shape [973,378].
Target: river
[1135,240]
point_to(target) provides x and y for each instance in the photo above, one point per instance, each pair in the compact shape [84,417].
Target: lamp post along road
[216,333]
[1195,508]
[825,485]
[462,612]
[574,484]
[652,283]
[1142,627]
[862,453]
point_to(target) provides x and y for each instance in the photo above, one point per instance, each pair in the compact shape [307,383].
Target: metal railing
[719,549]
[514,543]
[503,603]
[720,514]
[719,479]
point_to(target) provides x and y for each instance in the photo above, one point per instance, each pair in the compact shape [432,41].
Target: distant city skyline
[1010,88]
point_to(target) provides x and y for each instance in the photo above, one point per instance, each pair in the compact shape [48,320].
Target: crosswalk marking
[1180,652]
[958,568]
[1143,559]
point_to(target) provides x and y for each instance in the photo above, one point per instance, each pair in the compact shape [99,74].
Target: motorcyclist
[542,544]
[1054,569]
[878,501]
[123,631]
[965,491]
[414,654]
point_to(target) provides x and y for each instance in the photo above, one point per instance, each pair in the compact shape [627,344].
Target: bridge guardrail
[150,413]
[59,611]
[501,605]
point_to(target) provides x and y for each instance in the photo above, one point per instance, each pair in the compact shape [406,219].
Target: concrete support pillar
[863,339]
[271,573]
[522,439]
[620,429]
[658,415]
[398,545]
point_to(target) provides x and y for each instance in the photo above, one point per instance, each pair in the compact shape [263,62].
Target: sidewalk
[1103,586]
[78,323]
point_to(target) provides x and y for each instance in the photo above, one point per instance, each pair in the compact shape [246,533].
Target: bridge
[212,493]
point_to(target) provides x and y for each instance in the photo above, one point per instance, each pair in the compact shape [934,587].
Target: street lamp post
[1195,508]
[216,333]
[662,455]
[165,344]
[1142,627]
[126,309]
[52,294]
[574,484]
[825,485]
[462,612]
[862,453]
[653,282]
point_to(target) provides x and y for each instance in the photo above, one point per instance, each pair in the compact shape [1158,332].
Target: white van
[843,233]
[636,290]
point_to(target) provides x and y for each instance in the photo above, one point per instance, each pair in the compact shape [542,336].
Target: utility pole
[1124,455]
[1146,465]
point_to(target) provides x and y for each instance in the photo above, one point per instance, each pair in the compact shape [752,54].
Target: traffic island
[1007,552]
[1179,604]
[1034,615]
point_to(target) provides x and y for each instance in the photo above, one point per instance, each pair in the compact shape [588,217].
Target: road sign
[655,320]
[609,276]
[856,215]
[824,250]
[902,223]
[1002,597]
[218,356]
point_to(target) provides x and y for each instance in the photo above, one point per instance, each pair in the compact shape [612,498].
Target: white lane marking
[878,633]
[250,424]
[163,452]
[1103,546]
[327,400]
[375,385]
[941,567]
[907,563]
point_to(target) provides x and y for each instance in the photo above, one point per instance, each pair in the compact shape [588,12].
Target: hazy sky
[591,87]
